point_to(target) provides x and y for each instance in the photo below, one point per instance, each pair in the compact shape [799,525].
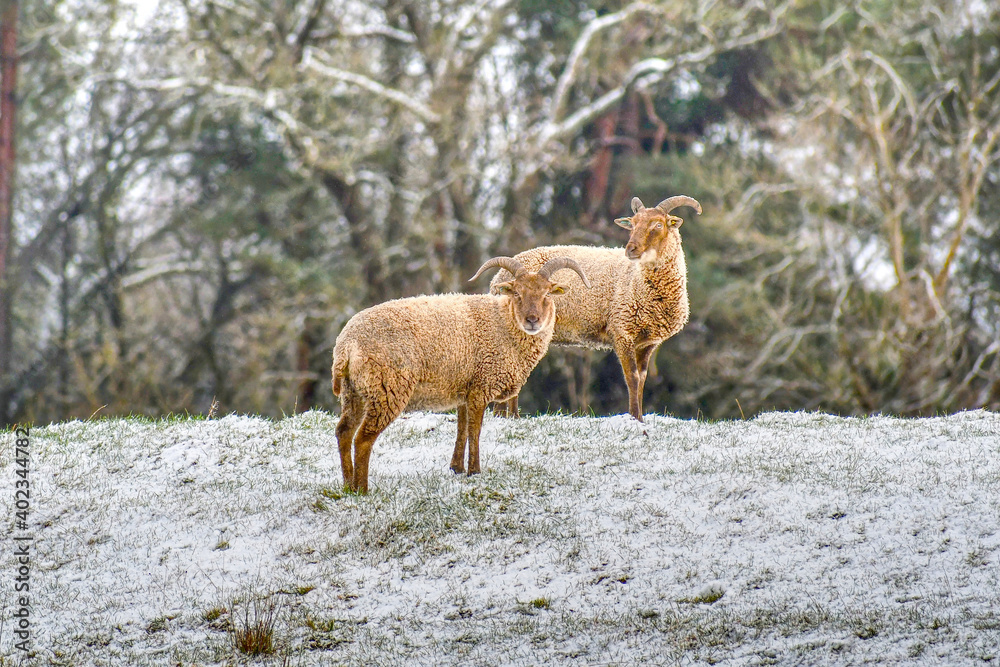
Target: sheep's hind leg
[371,426]
[511,406]
[351,411]
[476,410]
[507,408]
[458,457]
[379,413]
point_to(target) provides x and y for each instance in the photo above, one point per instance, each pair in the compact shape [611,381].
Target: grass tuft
[252,623]
[156,625]
[213,614]
[709,595]
[335,494]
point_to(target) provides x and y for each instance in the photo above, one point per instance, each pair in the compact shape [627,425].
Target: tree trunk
[8,103]
[364,238]
[310,341]
[600,166]
[467,256]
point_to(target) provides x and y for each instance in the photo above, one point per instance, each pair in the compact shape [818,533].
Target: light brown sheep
[639,297]
[441,352]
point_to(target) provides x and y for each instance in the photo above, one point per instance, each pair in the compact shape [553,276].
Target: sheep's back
[421,340]
[440,345]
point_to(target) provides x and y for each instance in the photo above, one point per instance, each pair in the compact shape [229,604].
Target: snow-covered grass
[786,539]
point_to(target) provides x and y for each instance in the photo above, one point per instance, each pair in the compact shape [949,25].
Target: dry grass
[253,619]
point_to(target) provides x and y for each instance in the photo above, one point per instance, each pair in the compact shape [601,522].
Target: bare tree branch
[447,59]
[304,31]
[654,69]
[404,100]
[365,32]
[572,67]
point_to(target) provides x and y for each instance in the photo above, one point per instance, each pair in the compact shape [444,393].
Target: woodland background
[206,190]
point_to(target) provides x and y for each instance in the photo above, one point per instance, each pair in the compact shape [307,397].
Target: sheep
[441,352]
[639,298]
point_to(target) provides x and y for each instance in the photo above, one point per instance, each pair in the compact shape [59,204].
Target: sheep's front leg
[630,369]
[476,411]
[458,457]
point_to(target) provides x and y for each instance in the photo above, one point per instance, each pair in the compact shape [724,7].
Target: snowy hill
[786,539]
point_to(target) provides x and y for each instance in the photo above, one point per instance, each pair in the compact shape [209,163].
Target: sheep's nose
[531,319]
[631,249]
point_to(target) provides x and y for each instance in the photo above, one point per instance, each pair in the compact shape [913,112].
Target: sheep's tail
[340,359]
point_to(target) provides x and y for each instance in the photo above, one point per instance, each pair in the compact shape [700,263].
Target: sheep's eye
[659,225]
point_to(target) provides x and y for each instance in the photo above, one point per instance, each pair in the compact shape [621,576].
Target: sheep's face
[531,301]
[654,235]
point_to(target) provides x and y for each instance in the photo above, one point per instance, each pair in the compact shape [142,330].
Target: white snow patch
[797,538]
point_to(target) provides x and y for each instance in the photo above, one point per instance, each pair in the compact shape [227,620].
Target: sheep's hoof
[473,472]
[458,470]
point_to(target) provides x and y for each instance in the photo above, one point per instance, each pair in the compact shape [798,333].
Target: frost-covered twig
[644,72]
[569,73]
[163,270]
[404,100]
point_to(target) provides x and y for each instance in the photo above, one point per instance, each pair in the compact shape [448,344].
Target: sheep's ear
[674,221]
[624,222]
[557,289]
[504,288]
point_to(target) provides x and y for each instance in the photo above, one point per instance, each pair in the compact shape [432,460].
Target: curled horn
[636,204]
[557,263]
[670,203]
[508,263]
